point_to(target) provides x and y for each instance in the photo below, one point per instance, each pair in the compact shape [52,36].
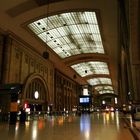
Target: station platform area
[95,126]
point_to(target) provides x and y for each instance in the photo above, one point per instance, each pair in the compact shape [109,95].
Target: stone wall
[21,62]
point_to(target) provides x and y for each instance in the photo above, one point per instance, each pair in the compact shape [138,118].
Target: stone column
[6,59]
[134,20]
[1,55]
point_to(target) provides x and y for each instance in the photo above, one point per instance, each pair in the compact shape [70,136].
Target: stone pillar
[6,59]
[1,56]
[134,20]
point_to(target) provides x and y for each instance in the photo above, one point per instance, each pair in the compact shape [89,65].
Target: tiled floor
[96,126]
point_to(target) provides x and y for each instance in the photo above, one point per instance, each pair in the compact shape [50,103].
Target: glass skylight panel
[58,50]
[97,39]
[94,29]
[106,91]
[98,88]
[35,29]
[92,67]
[78,28]
[99,81]
[91,17]
[62,31]
[42,36]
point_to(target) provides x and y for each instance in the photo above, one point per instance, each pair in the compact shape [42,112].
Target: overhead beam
[86,57]
[96,76]
[107,94]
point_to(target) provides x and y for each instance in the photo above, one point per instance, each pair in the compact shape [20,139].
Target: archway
[35,93]
[108,99]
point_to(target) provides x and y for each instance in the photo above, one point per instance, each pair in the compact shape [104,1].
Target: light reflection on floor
[96,126]
[85,122]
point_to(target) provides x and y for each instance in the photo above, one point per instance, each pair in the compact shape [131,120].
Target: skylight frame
[67,27]
[90,68]
[106,91]
[102,87]
[99,81]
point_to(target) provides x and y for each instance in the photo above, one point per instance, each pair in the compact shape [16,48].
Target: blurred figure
[133,111]
[124,109]
[22,116]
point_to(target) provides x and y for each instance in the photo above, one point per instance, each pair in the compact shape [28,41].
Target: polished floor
[96,126]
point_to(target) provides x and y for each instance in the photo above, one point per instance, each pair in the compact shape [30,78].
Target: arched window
[36,90]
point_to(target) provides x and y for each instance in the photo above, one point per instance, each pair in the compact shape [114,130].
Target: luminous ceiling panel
[99,88]
[98,81]
[70,34]
[106,91]
[92,67]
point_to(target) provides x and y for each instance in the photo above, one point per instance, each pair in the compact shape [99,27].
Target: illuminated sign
[84,100]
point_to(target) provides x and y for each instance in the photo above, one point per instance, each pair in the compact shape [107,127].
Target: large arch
[109,98]
[35,82]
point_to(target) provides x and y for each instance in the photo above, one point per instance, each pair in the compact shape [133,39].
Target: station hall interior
[59,57]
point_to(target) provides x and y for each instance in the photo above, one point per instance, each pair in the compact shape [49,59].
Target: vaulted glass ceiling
[104,89]
[92,67]
[99,88]
[69,34]
[99,81]
[73,33]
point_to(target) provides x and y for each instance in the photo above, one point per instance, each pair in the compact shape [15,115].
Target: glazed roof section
[100,81]
[69,34]
[74,33]
[90,68]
